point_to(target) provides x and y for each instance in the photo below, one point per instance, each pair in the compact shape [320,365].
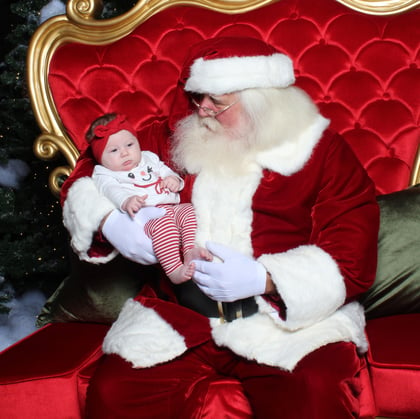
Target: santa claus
[291,219]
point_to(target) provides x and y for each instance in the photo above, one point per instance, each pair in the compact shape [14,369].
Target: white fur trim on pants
[142,337]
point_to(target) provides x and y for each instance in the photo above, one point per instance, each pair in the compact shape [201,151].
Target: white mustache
[212,124]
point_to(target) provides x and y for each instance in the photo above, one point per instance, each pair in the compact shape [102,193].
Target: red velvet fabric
[394,363]
[362,70]
[46,374]
[193,386]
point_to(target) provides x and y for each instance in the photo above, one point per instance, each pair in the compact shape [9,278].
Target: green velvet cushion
[397,285]
[95,293]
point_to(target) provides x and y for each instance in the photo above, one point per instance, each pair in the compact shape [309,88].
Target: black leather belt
[189,295]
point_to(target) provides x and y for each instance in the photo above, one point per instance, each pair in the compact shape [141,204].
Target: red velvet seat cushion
[394,360]
[46,375]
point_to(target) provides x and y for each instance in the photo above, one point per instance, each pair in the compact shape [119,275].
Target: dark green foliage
[33,241]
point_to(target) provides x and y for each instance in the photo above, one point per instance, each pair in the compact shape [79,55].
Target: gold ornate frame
[415,175]
[80,24]
[381,7]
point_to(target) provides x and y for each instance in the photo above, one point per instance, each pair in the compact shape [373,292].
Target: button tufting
[351,56]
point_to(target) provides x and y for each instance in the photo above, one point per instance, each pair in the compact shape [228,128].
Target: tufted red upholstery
[362,70]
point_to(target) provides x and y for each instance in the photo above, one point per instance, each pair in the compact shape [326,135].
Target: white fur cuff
[309,282]
[83,212]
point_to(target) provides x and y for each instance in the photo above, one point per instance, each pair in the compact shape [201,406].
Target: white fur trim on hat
[225,75]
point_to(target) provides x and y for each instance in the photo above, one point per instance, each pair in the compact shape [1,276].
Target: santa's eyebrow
[216,99]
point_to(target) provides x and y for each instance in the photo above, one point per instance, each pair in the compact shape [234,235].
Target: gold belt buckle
[238,313]
[222,317]
[221,312]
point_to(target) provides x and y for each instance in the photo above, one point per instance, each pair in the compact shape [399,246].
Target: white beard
[203,143]
[280,136]
[227,177]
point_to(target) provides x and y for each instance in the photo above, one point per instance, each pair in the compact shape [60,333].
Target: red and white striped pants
[172,233]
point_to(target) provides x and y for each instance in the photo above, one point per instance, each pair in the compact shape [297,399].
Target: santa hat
[228,64]
[232,64]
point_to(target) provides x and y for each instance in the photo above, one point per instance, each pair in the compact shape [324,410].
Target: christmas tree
[33,242]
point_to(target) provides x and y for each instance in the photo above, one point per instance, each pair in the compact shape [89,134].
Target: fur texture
[142,337]
[83,212]
[225,75]
[259,338]
[304,276]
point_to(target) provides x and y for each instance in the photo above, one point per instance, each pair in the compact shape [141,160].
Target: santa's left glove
[236,277]
[127,234]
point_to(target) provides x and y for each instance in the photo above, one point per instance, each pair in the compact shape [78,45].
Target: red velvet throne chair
[358,59]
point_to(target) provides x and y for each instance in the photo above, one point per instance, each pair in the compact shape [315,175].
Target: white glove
[237,277]
[127,234]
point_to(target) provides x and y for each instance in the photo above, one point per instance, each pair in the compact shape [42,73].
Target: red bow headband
[103,132]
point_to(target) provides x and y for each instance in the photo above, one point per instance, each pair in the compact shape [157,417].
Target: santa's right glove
[238,276]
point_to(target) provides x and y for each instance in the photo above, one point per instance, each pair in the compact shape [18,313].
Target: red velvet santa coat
[307,212]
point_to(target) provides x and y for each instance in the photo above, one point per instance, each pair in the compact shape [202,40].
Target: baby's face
[122,152]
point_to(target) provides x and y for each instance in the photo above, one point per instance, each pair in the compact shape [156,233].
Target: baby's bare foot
[189,270]
[183,273]
[205,254]
[200,253]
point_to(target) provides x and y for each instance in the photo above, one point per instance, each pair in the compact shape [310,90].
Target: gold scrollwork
[381,7]
[57,177]
[50,146]
[47,146]
[84,9]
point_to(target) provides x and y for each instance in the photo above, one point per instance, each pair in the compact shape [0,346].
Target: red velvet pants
[212,382]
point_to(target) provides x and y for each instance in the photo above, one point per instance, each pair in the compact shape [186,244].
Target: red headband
[103,132]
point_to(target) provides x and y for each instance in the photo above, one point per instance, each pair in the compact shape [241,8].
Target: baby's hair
[102,120]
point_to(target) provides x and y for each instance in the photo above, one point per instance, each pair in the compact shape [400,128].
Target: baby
[133,179]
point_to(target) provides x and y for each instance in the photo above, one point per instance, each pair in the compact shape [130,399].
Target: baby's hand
[172,183]
[132,204]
